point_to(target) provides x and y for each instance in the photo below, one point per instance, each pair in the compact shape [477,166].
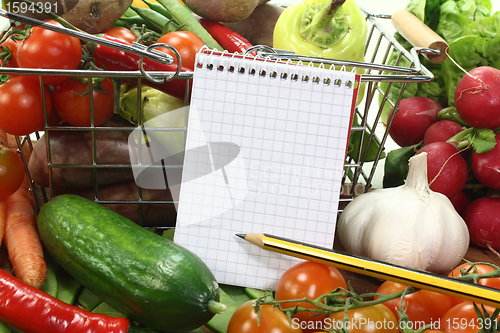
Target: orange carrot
[21,235]
[21,238]
[2,220]
[26,151]
[3,143]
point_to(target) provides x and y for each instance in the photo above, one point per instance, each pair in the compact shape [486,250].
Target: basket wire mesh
[358,174]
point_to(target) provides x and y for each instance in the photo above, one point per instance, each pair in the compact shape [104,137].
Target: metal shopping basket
[359,172]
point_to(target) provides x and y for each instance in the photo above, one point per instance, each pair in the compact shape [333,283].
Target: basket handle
[420,35]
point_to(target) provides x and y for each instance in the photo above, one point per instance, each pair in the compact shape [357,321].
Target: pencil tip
[241,235]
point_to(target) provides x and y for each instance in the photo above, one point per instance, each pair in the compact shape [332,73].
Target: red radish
[482,217]
[413,118]
[441,131]
[446,169]
[486,166]
[477,97]
[461,200]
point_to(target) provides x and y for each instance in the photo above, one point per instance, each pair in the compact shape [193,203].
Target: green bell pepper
[333,29]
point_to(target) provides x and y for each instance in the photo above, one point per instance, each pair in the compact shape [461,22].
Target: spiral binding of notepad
[264,64]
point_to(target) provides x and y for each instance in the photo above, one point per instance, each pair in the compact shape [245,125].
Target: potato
[148,214]
[224,10]
[259,26]
[75,148]
[92,16]
[95,16]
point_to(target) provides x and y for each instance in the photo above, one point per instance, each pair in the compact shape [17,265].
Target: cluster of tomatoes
[64,98]
[426,311]
[26,106]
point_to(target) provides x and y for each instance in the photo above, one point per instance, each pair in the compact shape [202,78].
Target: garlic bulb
[409,225]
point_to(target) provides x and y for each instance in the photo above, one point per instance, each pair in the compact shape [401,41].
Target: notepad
[265,151]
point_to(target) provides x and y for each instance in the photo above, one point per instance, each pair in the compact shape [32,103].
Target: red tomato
[463,319]
[47,49]
[244,320]
[53,119]
[371,319]
[311,280]
[72,102]
[12,45]
[186,43]
[11,172]
[480,268]
[123,33]
[21,106]
[422,306]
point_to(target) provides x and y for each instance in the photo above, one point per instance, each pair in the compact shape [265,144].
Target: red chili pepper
[33,311]
[117,60]
[227,38]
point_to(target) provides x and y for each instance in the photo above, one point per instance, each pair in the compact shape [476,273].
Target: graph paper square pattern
[265,152]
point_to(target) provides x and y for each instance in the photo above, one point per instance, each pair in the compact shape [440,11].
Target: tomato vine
[343,300]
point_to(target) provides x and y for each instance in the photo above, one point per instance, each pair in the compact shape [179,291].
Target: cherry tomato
[186,43]
[21,106]
[371,319]
[311,280]
[47,49]
[12,45]
[244,320]
[53,118]
[480,268]
[72,102]
[121,32]
[11,172]
[422,306]
[463,319]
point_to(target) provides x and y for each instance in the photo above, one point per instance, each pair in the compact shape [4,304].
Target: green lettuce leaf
[417,7]
[469,52]
[473,36]
[453,23]
[487,26]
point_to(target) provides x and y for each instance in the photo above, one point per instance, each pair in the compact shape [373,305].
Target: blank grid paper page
[264,153]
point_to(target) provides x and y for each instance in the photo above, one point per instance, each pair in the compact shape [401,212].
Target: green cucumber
[219,323]
[148,278]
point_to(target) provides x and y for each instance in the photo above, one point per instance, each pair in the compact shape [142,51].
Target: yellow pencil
[407,276]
